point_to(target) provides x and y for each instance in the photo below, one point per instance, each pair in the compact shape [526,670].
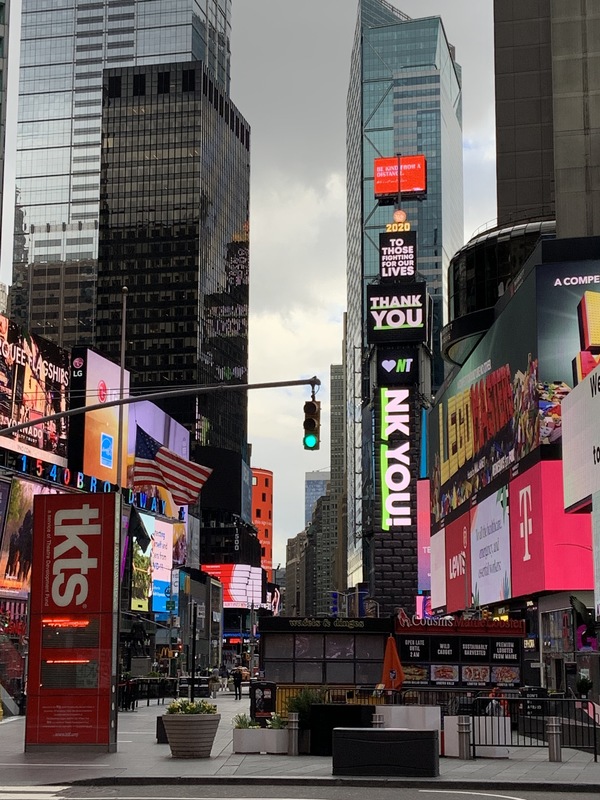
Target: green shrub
[244,722]
[301,702]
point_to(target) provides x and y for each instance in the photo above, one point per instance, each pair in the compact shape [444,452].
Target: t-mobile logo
[526,525]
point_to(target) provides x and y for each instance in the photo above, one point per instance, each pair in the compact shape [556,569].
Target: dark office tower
[65,46]
[404,97]
[547,111]
[4,12]
[174,229]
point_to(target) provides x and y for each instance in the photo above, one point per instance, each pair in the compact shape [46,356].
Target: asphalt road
[168,792]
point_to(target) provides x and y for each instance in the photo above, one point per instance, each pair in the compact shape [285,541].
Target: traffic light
[312,425]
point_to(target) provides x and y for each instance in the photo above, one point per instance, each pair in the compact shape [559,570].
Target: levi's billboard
[458,564]
[413,176]
[396,313]
[73,625]
[550,549]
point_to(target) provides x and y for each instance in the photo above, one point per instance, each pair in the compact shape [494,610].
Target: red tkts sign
[73,625]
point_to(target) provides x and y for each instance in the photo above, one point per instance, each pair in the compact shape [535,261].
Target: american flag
[154,464]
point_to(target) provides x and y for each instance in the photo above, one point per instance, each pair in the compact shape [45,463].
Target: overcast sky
[290,69]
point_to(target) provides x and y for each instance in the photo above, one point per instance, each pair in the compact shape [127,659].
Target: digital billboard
[423,536]
[397,255]
[34,383]
[94,440]
[549,547]
[17,543]
[458,564]
[396,313]
[581,441]
[413,176]
[396,474]
[487,417]
[437,548]
[490,549]
[242,584]
[162,564]
[397,366]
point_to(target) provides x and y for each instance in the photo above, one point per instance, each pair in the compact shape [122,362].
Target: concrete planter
[276,740]
[191,735]
[248,740]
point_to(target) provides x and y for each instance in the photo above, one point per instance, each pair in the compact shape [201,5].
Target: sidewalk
[140,760]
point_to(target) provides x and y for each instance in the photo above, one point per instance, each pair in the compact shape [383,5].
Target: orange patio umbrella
[393,674]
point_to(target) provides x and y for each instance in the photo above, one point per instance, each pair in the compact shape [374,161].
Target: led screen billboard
[423,536]
[413,176]
[162,564]
[438,569]
[94,441]
[397,255]
[396,313]
[581,441]
[490,549]
[17,543]
[242,584]
[34,383]
[458,564]
[397,366]
[549,548]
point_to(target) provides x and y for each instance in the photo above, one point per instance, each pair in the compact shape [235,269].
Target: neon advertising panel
[397,487]
[548,546]
[242,584]
[34,383]
[73,624]
[490,549]
[458,564]
[396,313]
[423,536]
[413,176]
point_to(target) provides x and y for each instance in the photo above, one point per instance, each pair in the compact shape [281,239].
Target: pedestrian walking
[223,675]
[237,683]
[214,682]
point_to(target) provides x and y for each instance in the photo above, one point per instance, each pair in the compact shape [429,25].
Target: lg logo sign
[526,523]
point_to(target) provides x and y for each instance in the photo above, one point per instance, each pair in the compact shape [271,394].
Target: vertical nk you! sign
[395,463]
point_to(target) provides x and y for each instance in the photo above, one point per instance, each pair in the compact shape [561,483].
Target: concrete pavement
[140,759]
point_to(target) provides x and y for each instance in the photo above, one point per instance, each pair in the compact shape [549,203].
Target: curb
[392,782]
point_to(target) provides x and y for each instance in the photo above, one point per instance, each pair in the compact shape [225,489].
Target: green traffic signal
[312,425]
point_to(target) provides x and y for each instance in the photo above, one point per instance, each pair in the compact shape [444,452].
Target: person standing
[214,682]
[237,683]
[223,677]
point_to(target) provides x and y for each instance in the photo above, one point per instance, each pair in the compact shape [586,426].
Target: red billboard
[242,584]
[551,551]
[413,176]
[74,604]
[458,564]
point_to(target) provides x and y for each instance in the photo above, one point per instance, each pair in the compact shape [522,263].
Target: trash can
[263,695]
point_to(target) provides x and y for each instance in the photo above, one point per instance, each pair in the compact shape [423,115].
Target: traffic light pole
[189,391]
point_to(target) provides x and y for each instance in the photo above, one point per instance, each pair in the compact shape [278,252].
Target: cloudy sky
[290,68]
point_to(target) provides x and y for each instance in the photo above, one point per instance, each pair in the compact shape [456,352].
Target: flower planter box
[249,740]
[276,740]
[191,735]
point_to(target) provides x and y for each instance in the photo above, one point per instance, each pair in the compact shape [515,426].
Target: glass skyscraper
[65,46]
[404,97]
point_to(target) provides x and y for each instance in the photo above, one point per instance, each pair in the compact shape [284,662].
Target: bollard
[464,737]
[377,721]
[293,734]
[553,730]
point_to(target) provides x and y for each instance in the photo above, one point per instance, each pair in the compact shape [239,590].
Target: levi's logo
[70,554]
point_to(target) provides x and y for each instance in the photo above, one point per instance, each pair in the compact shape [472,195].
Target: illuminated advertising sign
[16,555]
[490,549]
[242,584]
[34,383]
[74,603]
[458,564]
[397,256]
[162,563]
[94,435]
[397,366]
[437,548]
[413,176]
[487,417]
[396,313]
[423,536]
[395,463]
[581,441]
[550,549]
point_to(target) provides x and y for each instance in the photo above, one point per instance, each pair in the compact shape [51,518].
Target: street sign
[170,605]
